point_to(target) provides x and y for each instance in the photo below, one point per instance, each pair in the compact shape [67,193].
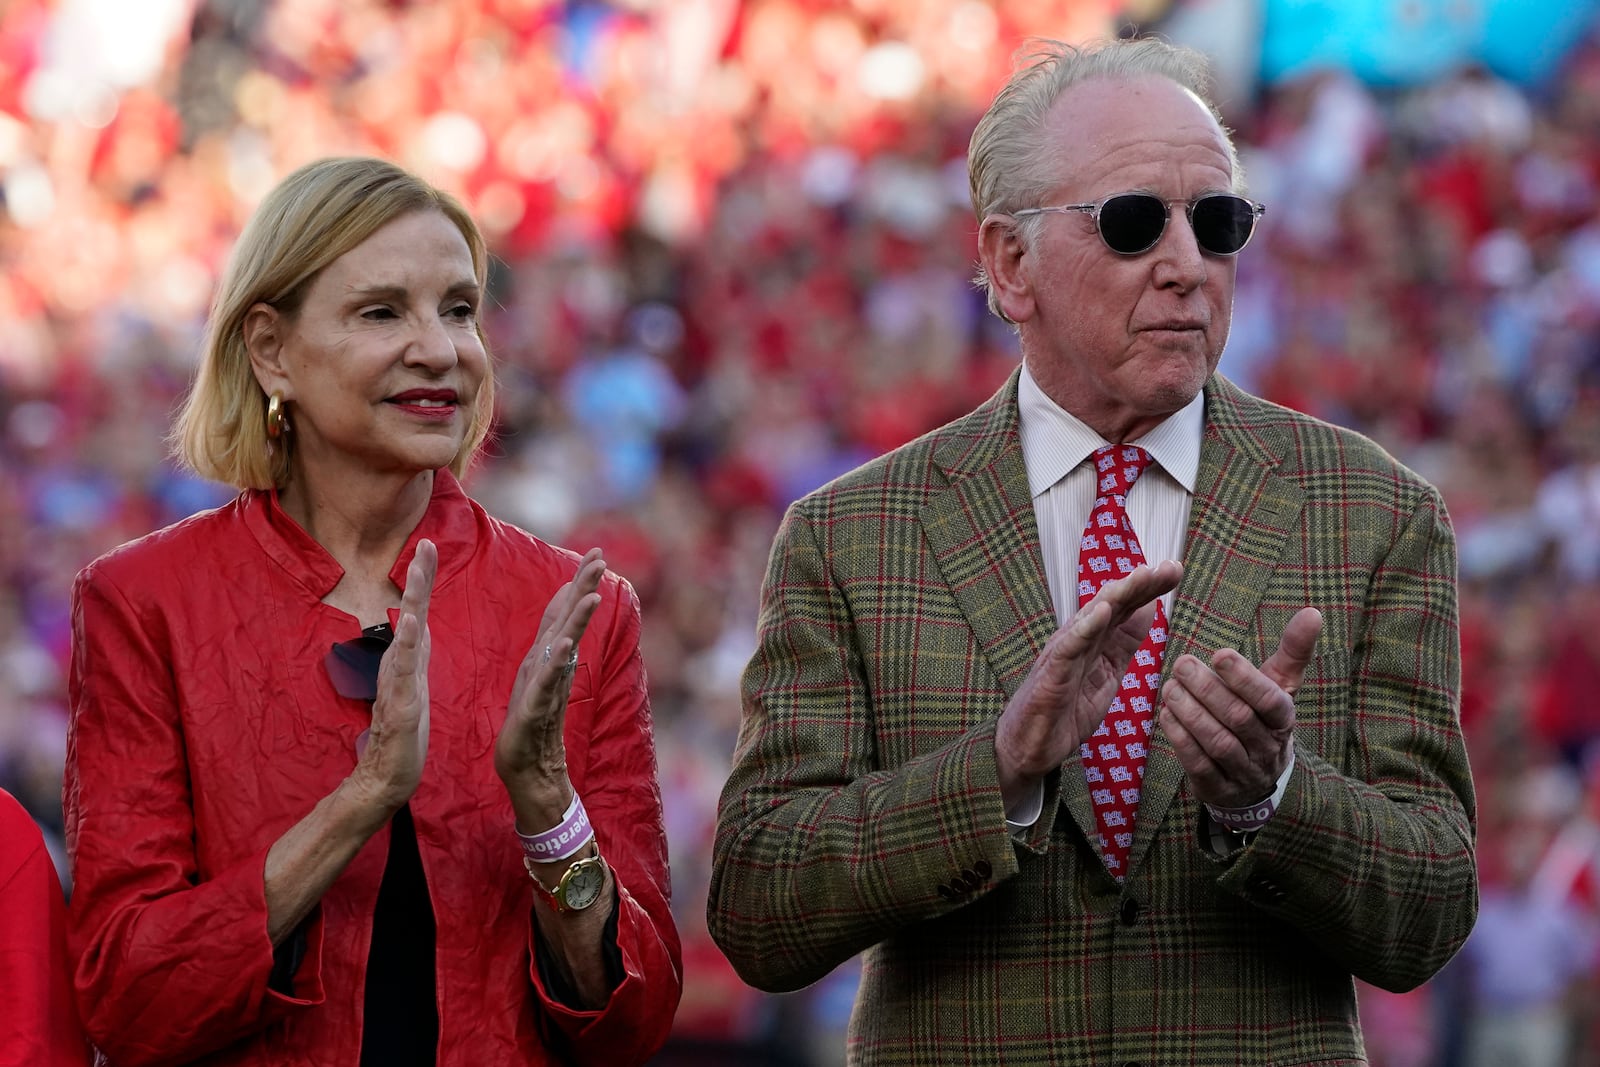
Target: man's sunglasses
[1132,223]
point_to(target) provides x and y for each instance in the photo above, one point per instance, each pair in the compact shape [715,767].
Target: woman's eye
[378,314]
[462,312]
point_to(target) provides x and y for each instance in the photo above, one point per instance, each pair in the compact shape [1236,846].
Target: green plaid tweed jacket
[903,605]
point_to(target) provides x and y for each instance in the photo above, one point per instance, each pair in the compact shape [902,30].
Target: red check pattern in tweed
[1114,755]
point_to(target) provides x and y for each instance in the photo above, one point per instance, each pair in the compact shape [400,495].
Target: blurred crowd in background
[734,256]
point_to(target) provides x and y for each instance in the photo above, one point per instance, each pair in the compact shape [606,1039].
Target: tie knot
[1117,467]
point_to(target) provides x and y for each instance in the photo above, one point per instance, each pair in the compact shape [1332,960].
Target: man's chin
[1171,387]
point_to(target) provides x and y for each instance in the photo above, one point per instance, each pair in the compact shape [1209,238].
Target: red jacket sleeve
[39,1024]
[168,966]
[623,797]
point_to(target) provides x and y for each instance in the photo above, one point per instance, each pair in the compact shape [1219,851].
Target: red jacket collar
[450,522]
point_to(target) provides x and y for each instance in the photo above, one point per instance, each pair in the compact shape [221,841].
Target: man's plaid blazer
[903,605]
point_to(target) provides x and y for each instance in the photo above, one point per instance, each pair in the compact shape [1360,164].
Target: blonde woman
[356,772]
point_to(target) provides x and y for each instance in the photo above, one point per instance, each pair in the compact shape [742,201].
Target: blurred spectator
[1529,959]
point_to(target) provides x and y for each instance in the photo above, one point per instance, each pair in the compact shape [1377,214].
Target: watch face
[583,883]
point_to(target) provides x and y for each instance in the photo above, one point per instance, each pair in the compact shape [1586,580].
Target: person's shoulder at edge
[20,836]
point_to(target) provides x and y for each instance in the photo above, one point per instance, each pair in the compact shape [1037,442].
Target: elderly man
[1065,830]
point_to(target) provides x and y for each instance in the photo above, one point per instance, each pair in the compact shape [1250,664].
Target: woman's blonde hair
[311,218]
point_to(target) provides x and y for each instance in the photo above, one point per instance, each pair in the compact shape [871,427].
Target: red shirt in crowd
[38,1023]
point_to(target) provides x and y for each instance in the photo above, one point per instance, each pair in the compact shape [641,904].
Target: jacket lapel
[985,541]
[1240,519]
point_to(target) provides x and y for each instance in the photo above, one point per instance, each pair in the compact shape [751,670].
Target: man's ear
[263,330]
[1001,250]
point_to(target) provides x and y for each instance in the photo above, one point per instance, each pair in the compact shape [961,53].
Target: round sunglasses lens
[1132,223]
[1223,224]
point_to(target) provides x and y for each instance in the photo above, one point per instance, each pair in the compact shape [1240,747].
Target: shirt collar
[1055,442]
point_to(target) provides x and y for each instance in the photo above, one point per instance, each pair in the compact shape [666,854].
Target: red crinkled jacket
[204,725]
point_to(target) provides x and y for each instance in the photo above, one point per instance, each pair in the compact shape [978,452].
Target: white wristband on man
[1252,817]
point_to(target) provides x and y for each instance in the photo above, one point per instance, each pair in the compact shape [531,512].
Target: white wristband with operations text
[1252,817]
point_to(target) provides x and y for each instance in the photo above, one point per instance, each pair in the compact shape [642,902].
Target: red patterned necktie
[1114,755]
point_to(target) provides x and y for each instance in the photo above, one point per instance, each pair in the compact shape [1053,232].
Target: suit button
[983,868]
[1268,890]
[970,880]
[1130,911]
[944,891]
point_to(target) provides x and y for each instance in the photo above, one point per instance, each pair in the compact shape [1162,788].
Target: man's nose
[1179,262]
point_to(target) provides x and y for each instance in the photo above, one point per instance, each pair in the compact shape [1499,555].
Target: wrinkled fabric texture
[38,1020]
[905,603]
[204,725]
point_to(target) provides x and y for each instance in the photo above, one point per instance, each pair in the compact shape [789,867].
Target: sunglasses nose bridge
[1170,230]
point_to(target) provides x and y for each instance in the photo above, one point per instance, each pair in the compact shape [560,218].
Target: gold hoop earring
[277,417]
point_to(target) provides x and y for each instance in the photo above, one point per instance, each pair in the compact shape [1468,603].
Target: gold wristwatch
[579,886]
